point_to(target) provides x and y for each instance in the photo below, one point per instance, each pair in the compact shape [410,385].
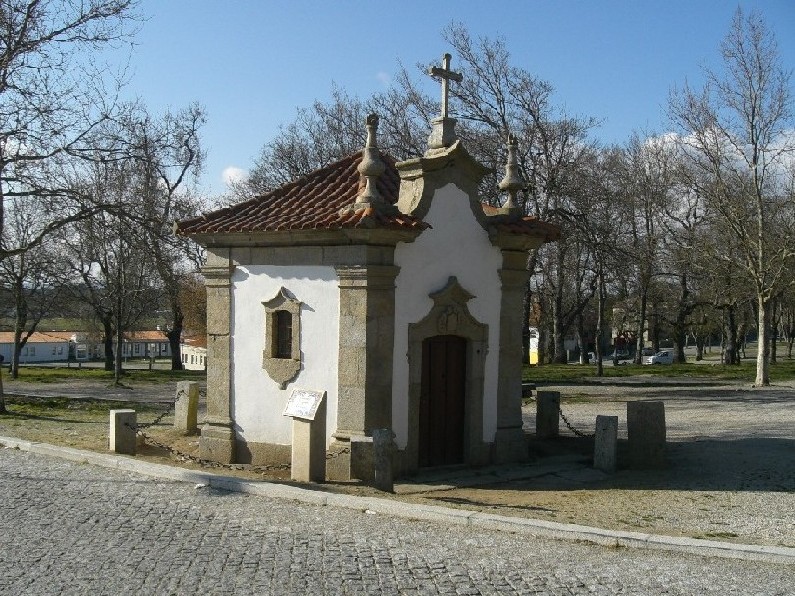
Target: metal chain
[579,433]
[333,454]
[159,419]
[205,462]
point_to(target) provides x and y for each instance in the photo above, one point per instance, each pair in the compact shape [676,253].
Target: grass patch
[53,374]
[63,407]
[583,373]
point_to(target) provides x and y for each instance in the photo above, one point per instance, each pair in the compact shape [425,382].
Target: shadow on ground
[566,464]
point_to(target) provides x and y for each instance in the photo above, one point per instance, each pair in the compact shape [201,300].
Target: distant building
[193,351]
[52,346]
[62,346]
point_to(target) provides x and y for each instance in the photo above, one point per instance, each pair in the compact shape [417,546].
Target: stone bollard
[362,459]
[646,433]
[605,443]
[383,450]
[123,426]
[547,414]
[186,406]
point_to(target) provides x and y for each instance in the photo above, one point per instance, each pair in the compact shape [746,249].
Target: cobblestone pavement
[76,529]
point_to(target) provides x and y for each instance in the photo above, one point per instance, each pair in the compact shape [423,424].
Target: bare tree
[164,154]
[35,277]
[737,132]
[493,100]
[111,258]
[54,91]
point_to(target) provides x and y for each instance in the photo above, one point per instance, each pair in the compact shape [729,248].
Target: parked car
[646,352]
[619,355]
[661,357]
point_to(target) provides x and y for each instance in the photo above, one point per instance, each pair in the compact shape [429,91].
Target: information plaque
[303,403]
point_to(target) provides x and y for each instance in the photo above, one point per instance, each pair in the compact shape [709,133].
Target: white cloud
[233,174]
[384,78]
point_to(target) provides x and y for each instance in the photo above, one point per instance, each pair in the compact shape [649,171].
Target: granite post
[646,433]
[123,427]
[605,443]
[383,452]
[186,406]
[547,414]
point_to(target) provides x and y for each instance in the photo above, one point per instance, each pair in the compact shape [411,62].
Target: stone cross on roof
[446,75]
[443,127]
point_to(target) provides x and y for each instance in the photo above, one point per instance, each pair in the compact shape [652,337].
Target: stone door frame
[449,316]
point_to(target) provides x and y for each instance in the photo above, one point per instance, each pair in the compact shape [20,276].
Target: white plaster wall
[455,245]
[257,402]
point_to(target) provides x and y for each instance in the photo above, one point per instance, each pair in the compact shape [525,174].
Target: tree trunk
[600,322]
[581,347]
[174,337]
[699,348]
[680,325]
[20,319]
[762,354]
[730,352]
[774,320]
[641,328]
[108,341]
[526,306]
[558,346]
[2,395]
[118,359]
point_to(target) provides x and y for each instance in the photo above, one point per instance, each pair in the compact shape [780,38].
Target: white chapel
[391,287]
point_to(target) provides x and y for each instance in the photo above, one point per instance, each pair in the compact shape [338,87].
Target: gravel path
[731,454]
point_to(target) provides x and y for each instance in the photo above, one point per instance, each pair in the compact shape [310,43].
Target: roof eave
[312,237]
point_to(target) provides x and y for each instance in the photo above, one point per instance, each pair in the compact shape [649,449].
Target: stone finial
[371,166]
[370,169]
[443,131]
[512,183]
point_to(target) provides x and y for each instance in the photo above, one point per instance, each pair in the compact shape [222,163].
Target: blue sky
[251,64]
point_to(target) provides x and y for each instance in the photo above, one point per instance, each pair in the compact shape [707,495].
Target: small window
[32,350]
[136,348]
[163,348]
[281,356]
[53,350]
[284,334]
[60,349]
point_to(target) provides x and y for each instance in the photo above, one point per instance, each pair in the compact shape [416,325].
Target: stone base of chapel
[262,454]
[510,445]
[217,443]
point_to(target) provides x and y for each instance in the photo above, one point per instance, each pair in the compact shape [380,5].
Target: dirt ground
[730,473]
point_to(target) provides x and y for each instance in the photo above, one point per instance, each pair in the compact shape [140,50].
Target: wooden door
[442,401]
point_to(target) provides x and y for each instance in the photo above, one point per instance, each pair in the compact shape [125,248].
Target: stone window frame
[281,370]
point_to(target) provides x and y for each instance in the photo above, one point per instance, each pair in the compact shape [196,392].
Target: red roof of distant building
[39,337]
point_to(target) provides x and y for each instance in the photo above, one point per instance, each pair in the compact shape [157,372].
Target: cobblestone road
[68,528]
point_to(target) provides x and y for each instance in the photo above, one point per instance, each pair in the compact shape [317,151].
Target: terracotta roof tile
[523,225]
[532,226]
[312,202]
